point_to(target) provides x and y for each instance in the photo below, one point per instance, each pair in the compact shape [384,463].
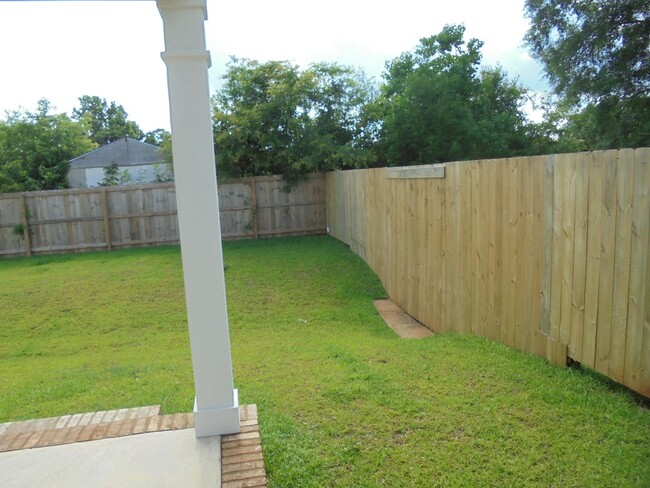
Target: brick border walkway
[242,461]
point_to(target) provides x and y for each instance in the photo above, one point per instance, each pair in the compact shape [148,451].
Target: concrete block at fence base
[403,324]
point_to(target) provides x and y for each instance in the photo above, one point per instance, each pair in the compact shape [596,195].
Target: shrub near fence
[550,254]
[127,216]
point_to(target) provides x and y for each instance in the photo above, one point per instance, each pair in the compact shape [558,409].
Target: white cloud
[62,50]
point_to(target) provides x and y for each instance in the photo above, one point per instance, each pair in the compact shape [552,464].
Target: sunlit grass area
[342,400]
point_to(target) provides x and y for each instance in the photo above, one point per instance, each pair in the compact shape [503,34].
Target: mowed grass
[342,400]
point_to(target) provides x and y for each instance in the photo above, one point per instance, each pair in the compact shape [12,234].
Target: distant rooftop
[123,152]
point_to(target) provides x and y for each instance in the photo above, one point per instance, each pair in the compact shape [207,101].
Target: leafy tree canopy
[597,57]
[592,49]
[274,118]
[105,122]
[35,148]
[438,105]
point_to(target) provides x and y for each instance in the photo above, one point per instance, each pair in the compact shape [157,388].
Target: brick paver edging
[242,462]
[68,429]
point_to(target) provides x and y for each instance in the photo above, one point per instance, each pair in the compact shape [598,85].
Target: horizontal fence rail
[550,254]
[128,216]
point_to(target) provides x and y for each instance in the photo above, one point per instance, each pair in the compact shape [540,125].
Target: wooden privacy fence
[550,254]
[126,216]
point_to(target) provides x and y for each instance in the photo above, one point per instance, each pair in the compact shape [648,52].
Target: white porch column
[216,406]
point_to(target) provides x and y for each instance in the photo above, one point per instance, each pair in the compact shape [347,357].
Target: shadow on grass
[611,385]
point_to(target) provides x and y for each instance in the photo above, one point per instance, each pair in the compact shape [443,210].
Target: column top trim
[186,56]
[183,4]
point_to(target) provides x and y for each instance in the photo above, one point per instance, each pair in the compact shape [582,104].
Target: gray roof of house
[123,152]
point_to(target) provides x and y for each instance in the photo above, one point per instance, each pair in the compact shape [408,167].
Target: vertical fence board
[530,278]
[453,268]
[361,213]
[105,214]
[413,245]
[537,250]
[375,223]
[607,254]
[509,258]
[25,222]
[442,226]
[473,262]
[424,301]
[12,242]
[522,204]
[567,238]
[399,225]
[625,182]
[403,243]
[390,238]
[482,246]
[427,245]
[644,375]
[580,256]
[421,223]
[499,256]
[455,273]
[511,189]
[492,331]
[558,257]
[68,202]
[639,269]
[592,275]
[466,174]
[547,257]
[436,255]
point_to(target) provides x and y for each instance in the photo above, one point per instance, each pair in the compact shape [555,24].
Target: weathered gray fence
[105,218]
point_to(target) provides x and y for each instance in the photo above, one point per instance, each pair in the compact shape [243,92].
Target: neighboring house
[138,162]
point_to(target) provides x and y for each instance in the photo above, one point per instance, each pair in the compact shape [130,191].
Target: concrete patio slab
[137,447]
[403,324]
[160,459]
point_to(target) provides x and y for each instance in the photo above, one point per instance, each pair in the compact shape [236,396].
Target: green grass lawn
[342,400]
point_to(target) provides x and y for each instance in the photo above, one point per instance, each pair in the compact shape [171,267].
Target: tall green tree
[274,118]
[35,148]
[105,121]
[440,106]
[597,57]
[156,137]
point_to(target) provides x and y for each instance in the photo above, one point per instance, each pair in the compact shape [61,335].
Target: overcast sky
[62,50]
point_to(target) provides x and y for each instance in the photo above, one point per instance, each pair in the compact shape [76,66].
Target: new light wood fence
[550,255]
[107,218]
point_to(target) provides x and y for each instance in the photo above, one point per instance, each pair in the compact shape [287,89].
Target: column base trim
[217,421]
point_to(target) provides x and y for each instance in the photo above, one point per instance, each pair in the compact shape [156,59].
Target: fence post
[25,221]
[107,226]
[256,229]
